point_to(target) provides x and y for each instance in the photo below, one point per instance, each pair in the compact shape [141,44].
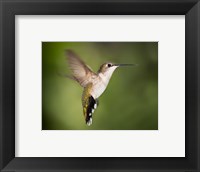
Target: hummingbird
[94,84]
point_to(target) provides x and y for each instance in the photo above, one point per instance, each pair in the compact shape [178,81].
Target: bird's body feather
[89,103]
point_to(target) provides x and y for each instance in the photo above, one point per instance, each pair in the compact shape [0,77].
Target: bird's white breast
[99,86]
[101,82]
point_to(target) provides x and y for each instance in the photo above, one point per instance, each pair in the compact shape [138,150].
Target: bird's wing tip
[68,52]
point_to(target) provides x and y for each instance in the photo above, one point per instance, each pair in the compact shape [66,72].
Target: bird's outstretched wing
[80,71]
[89,104]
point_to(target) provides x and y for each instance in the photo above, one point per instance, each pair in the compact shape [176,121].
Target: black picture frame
[10,8]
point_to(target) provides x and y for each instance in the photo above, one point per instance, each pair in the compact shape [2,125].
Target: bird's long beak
[121,65]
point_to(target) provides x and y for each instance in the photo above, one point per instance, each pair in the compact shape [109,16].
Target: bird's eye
[109,65]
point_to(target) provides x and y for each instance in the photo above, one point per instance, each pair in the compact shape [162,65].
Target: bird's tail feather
[90,110]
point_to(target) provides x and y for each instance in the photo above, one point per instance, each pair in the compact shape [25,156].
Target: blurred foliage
[130,101]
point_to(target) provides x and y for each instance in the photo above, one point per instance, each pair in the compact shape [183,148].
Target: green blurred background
[130,101]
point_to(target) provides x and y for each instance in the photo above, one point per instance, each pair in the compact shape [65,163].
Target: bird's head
[109,67]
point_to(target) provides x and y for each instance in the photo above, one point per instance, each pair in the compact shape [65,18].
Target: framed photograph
[99,85]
